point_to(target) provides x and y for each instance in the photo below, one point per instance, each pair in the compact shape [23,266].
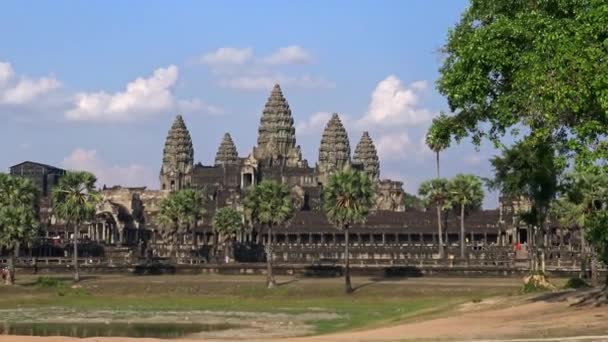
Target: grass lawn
[322,302]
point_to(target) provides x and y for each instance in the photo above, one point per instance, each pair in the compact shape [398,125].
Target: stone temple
[276,157]
[394,233]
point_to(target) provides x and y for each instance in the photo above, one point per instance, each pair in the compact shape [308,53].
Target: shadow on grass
[287,282]
[60,279]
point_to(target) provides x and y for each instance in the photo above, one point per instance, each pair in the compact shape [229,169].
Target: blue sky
[96,84]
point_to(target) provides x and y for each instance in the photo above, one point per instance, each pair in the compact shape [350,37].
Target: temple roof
[178,153]
[226,153]
[366,156]
[334,152]
[276,134]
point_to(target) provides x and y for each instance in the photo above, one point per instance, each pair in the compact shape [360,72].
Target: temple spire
[226,153]
[366,157]
[276,133]
[334,152]
[178,157]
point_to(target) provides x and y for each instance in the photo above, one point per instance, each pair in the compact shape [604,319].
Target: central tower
[277,134]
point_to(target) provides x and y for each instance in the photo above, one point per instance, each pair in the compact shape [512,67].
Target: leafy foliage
[269,203]
[466,190]
[227,222]
[347,198]
[18,214]
[536,64]
[75,197]
[435,192]
[179,212]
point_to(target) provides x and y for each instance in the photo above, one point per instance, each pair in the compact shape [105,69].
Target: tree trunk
[437,160]
[440,238]
[270,282]
[10,275]
[348,288]
[462,246]
[583,273]
[594,272]
[75,256]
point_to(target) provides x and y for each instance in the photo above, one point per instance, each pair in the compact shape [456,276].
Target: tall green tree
[466,193]
[179,215]
[435,192]
[18,217]
[530,171]
[537,65]
[193,209]
[227,224]
[269,204]
[74,201]
[438,137]
[347,199]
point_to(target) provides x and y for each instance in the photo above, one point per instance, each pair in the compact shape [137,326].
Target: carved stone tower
[334,152]
[276,134]
[366,157]
[226,153]
[178,157]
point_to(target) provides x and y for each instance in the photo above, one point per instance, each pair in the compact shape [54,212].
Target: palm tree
[227,223]
[466,192]
[437,137]
[18,216]
[347,199]
[169,217]
[74,201]
[193,209]
[269,203]
[436,192]
[179,215]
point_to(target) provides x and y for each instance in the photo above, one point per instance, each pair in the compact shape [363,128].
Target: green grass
[377,303]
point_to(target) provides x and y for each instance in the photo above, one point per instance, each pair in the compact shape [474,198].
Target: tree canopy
[227,222]
[541,65]
[347,198]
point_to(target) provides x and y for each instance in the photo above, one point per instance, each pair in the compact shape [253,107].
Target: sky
[95,85]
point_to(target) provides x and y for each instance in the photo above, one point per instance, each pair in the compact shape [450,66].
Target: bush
[536,282]
[576,283]
[48,282]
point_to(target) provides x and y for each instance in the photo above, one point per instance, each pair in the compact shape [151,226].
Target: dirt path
[542,319]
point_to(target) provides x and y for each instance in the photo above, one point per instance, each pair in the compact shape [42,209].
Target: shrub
[576,283]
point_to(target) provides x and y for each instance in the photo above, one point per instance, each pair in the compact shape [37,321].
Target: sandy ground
[544,317]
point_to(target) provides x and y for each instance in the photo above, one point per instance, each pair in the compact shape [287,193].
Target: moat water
[156,330]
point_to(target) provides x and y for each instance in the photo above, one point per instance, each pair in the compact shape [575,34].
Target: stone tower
[334,152]
[276,134]
[226,153]
[366,157]
[178,157]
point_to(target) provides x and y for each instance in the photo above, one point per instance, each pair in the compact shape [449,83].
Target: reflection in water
[158,330]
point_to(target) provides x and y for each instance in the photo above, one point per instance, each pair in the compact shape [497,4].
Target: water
[157,330]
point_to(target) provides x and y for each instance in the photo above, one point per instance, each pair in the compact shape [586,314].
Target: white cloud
[266,82]
[227,55]
[399,146]
[142,97]
[197,106]
[131,175]
[22,90]
[393,104]
[6,72]
[473,159]
[293,54]
[314,124]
